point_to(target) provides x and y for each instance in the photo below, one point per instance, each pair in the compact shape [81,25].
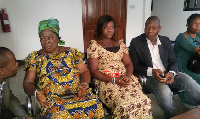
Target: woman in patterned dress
[62,78]
[110,65]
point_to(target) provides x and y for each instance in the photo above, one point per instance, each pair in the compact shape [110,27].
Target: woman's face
[194,26]
[108,30]
[49,41]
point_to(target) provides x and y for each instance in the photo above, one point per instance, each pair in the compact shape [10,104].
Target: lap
[112,94]
[156,87]
[180,80]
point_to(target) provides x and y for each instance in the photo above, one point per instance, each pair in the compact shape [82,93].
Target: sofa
[16,85]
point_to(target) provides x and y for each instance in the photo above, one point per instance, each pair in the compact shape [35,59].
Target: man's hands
[163,78]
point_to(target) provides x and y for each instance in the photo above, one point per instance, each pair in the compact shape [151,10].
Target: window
[191,5]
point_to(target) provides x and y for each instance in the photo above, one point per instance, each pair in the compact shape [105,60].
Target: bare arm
[84,79]
[30,88]
[84,73]
[93,66]
[128,64]
[29,82]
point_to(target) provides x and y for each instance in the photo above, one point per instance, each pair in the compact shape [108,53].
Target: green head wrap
[50,24]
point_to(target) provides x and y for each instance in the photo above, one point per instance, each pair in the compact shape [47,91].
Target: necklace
[106,44]
[52,53]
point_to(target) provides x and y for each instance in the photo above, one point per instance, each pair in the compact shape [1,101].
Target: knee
[164,96]
[163,91]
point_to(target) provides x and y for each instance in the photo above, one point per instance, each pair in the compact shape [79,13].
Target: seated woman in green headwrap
[63,78]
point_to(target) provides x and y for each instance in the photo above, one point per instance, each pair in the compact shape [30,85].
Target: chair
[33,107]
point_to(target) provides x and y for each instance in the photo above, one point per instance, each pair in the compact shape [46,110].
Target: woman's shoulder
[63,48]
[70,49]
[34,54]
[181,36]
[121,42]
[94,43]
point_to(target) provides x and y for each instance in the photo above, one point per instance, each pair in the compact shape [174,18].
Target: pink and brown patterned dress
[125,102]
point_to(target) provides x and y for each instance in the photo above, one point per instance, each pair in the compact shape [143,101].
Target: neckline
[55,54]
[107,50]
[190,36]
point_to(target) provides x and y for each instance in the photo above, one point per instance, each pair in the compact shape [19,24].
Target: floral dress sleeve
[30,61]
[92,51]
[123,46]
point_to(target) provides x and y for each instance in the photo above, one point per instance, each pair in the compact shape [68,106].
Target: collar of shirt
[157,42]
[155,55]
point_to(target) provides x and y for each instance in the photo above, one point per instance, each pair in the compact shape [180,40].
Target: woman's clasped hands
[123,80]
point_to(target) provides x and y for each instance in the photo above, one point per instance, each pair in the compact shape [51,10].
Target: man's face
[152,28]
[12,67]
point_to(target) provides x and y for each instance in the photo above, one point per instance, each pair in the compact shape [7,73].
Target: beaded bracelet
[114,80]
[35,93]
[86,85]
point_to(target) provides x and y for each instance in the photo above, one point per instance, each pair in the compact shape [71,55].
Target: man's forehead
[152,23]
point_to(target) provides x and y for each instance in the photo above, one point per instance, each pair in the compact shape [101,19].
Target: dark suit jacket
[141,57]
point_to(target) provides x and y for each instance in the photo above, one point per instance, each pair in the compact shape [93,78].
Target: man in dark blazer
[154,60]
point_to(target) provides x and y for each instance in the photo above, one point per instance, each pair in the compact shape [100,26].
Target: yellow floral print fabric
[57,76]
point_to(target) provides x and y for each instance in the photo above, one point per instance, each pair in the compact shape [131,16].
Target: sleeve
[12,102]
[125,49]
[30,61]
[186,43]
[92,51]
[171,63]
[78,56]
[137,56]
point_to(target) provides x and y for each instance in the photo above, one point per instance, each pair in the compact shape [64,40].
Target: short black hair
[3,58]
[192,17]
[103,20]
[152,18]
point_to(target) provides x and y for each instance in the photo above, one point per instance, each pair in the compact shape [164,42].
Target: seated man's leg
[190,88]
[163,95]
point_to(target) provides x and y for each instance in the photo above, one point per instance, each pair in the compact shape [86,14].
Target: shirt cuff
[174,73]
[149,71]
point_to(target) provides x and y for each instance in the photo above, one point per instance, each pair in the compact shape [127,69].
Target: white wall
[24,16]
[137,13]
[173,18]
[0,3]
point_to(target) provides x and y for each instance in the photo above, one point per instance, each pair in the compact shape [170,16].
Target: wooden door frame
[84,15]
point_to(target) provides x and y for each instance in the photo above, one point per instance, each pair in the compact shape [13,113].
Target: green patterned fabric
[50,24]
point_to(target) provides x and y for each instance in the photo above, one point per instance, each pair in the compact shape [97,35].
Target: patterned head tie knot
[50,24]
